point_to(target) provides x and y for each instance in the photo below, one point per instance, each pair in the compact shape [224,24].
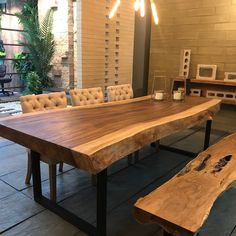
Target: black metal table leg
[156,145]
[102,203]
[136,156]
[207,134]
[177,150]
[130,159]
[100,229]
[37,187]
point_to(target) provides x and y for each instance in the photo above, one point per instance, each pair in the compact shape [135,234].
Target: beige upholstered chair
[119,92]
[87,96]
[42,102]
[82,97]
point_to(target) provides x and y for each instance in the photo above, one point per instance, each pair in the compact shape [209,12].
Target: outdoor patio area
[20,215]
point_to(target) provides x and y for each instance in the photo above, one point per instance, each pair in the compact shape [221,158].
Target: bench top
[182,205]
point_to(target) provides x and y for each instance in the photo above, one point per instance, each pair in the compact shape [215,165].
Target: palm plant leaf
[39,41]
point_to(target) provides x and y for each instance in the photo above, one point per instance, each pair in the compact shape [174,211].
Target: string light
[154,12]
[138,5]
[114,9]
[142,8]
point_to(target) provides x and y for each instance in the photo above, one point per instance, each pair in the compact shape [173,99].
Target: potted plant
[23,65]
[34,84]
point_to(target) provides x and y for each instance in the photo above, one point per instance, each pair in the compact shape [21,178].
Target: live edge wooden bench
[182,205]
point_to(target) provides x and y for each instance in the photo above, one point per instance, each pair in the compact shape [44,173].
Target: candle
[159,95]
[177,95]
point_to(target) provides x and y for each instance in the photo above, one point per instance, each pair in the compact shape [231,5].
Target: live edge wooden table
[93,137]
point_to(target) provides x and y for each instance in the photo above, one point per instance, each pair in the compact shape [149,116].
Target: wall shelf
[213,82]
[219,87]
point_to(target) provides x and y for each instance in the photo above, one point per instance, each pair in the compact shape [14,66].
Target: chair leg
[53,181]
[29,170]
[61,166]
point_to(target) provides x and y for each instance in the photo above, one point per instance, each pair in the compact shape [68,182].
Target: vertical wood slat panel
[106,44]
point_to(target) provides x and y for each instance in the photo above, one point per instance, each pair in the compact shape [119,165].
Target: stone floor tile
[43,224]
[68,183]
[6,190]
[15,209]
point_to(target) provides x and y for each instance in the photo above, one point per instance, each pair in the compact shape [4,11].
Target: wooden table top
[93,137]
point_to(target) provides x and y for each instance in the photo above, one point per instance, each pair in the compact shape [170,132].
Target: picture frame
[230,76]
[206,72]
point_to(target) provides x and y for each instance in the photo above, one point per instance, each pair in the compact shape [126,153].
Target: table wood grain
[95,136]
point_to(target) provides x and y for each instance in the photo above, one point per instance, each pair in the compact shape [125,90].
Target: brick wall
[62,29]
[207,27]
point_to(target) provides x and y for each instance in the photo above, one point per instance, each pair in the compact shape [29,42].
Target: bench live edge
[182,205]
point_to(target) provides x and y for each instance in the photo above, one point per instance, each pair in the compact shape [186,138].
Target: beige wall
[207,27]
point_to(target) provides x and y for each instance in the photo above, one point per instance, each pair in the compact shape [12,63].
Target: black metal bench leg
[207,134]
[102,203]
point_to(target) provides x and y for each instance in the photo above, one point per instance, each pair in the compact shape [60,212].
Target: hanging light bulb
[142,8]
[154,12]
[136,5]
[114,9]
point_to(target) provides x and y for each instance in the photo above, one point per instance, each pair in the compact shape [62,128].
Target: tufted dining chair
[87,96]
[43,102]
[119,92]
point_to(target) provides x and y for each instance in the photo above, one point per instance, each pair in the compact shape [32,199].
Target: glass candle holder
[158,95]
[177,95]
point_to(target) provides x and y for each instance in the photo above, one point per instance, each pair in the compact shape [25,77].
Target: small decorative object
[230,76]
[162,84]
[221,95]
[207,72]
[195,92]
[177,95]
[182,90]
[159,95]
[185,63]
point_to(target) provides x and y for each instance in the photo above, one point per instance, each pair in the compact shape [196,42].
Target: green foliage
[34,84]
[22,64]
[39,40]
[2,54]
[2,50]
